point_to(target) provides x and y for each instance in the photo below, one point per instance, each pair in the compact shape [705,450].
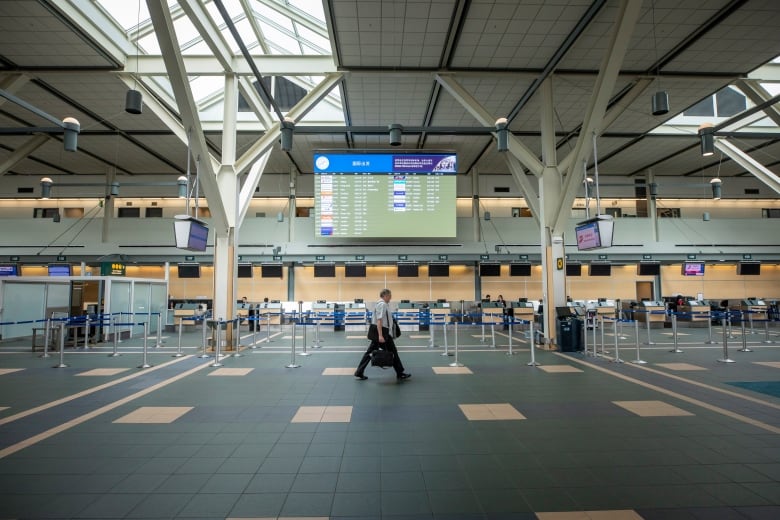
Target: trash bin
[569,330]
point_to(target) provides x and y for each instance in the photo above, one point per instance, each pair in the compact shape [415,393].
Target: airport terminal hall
[390,259]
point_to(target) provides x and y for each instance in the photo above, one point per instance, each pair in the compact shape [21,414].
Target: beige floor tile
[3,408]
[231,372]
[626,514]
[672,334]
[652,408]
[154,414]
[558,369]
[774,364]
[490,412]
[4,371]
[452,370]
[290,337]
[103,372]
[315,414]
[362,336]
[419,336]
[680,366]
[339,371]
[337,414]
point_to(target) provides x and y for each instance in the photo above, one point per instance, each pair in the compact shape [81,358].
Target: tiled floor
[577,437]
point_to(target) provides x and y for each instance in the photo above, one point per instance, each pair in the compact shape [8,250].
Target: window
[730,102]
[668,212]
[704,107]
[153,213]
[128,213]
[46,212]
[285,93]
[73,212]
[770,213]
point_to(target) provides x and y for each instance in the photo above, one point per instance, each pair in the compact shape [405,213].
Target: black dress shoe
[403,376]
[361,377]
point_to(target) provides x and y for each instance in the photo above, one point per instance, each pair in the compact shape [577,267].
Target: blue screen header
[438,164]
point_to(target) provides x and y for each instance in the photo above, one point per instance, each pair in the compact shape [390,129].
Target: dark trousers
[389,344]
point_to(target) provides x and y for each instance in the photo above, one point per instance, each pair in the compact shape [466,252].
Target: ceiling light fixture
[287,128]
[134,100]
[716,184]
[502,134]
[396,132]
[660,102]
[46,183]
[707,137]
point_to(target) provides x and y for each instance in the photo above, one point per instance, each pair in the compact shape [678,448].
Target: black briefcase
[382,358]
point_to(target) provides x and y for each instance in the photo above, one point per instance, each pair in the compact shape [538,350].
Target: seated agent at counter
[383,319]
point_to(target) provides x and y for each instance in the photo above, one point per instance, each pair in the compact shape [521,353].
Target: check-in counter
[269,310]
[439,312]
[699,313]
[408,316]
[186,310]
[757,308]
[492,312]
[606,308]
[355,316]
[521,310]
[654,313]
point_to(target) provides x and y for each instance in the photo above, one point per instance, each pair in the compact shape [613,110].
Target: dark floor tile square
[314,483]
[760,512]
[258,505]
[445,480]
[227,483]
[405,503]
[307,504]
[183,484]
[161,505]
[402,481]
[320,465]
[360,505]
[451,502]
[501,501]
[112,506]
[359,483]
[361,464]
[270,483]
[281,465]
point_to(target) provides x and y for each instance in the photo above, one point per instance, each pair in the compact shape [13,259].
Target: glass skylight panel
[318,41]
[204,86]
[280,40]
[271,15]
[125,13]
[309,8]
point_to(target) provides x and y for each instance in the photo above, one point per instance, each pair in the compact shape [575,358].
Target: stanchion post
[532,341]
[444,332]
[511,319]
[237,337]
[726,358]
[293,364]
[744,336]
[638,360]
[86,332]
[603,343]
[766,331]
[647,318]
[145,363]
[253,323]
[493,335]
[305,324]
[317,343]
[676,349]
[178,348]
[159,330]
[115,353]
[46,338]
[216,339]
[455,362]
[709,341]
[750,318]
[430,331]
[268,326]
[617,346]
[585,337]
[205,354]
[62,346]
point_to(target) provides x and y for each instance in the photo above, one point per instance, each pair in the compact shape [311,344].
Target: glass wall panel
[28,304]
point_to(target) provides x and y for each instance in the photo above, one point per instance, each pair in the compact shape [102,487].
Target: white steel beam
[103,31]
[255,26]
[760,171]
[270,65]
[188,109]
[628,14]
[250,184]
[530,193]
[22,152]
[758,95]
[517,148]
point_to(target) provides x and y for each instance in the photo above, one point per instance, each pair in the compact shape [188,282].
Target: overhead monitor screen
[648,268]
[385,195]
[188,270]
[693,269]
[491,269]
[355,270]
[271,270]
[600,270]
[749,268]
[59,269]
[9,270]
[519,269]
[408,270]
[244,271]
[594,233]
[573,269]
[438,269]
[324,270]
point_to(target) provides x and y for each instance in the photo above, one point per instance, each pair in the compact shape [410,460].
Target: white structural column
[225,275]
[593,124]
[550,188]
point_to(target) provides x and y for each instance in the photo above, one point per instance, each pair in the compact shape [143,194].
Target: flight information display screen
[385,195]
